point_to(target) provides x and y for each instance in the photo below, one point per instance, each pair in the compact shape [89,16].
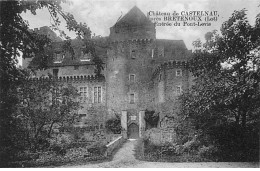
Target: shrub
[151,118]
[179,149]
[208,152]
[168,149]
[114,125]
[59,150]
[97,149]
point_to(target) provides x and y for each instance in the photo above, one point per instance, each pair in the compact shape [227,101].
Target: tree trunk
[36,137]
[237,119]
[244,119]
[49,132]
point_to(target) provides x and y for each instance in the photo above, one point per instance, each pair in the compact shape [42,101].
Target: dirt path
[125,158]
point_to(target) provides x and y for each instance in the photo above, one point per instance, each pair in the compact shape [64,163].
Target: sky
[100,15]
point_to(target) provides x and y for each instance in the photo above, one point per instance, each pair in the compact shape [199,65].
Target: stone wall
[113,145]
[166,83]
[119,33]
[160,136]
[120,65]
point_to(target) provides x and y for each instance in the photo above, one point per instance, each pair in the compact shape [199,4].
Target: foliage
[219,119]
[223,103]
[16,40]
[151,118]
[44,106]
[97,149]
[114,125]
[227,77]
[208,152]
[145,150]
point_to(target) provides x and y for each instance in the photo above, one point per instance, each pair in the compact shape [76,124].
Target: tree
[224,100]
[151,118]
[45,105]
[114,125]
[227,77]
[17,39]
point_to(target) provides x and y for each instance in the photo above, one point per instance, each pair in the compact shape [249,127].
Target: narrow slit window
[133,54]
[132,98]
[132,78]
[178,72]
[178,90]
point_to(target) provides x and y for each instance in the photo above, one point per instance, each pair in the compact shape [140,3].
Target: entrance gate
[133,131]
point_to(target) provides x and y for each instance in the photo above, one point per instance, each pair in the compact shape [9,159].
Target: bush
[151,118]
[191,146]
[208,152]
[168,149]
[97,149]
[59,150]
[114,125]
[235,143]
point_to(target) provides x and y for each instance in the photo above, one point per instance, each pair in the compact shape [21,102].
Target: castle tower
[134,25]
[129,64]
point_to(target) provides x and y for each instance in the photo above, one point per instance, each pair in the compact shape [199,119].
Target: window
[55,72]
[133,54]
[178,90]
[85,56]
[83,91]
[58,57]
[97,94]
[56,96]
[132,78]
[132,98]
[178,72]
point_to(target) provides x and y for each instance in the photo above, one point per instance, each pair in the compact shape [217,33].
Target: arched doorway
[133,131]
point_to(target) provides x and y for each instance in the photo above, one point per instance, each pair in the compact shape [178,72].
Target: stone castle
[140,73]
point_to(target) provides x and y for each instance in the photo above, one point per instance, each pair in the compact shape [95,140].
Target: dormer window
[85,56]
[58,57]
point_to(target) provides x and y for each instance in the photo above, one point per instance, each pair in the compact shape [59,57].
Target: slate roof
[171,44]
[77,45]
[133,18]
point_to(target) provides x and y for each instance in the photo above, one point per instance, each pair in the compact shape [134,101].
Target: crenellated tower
[129,66]
[129,61]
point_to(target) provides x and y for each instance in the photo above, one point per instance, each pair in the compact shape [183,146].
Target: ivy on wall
[151,118]
[114,125]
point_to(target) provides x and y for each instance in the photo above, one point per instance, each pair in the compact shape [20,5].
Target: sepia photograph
[129,83]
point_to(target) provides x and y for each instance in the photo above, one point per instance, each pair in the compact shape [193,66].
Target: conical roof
[133,18]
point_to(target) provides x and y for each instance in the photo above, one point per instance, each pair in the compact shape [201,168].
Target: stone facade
[140,72]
